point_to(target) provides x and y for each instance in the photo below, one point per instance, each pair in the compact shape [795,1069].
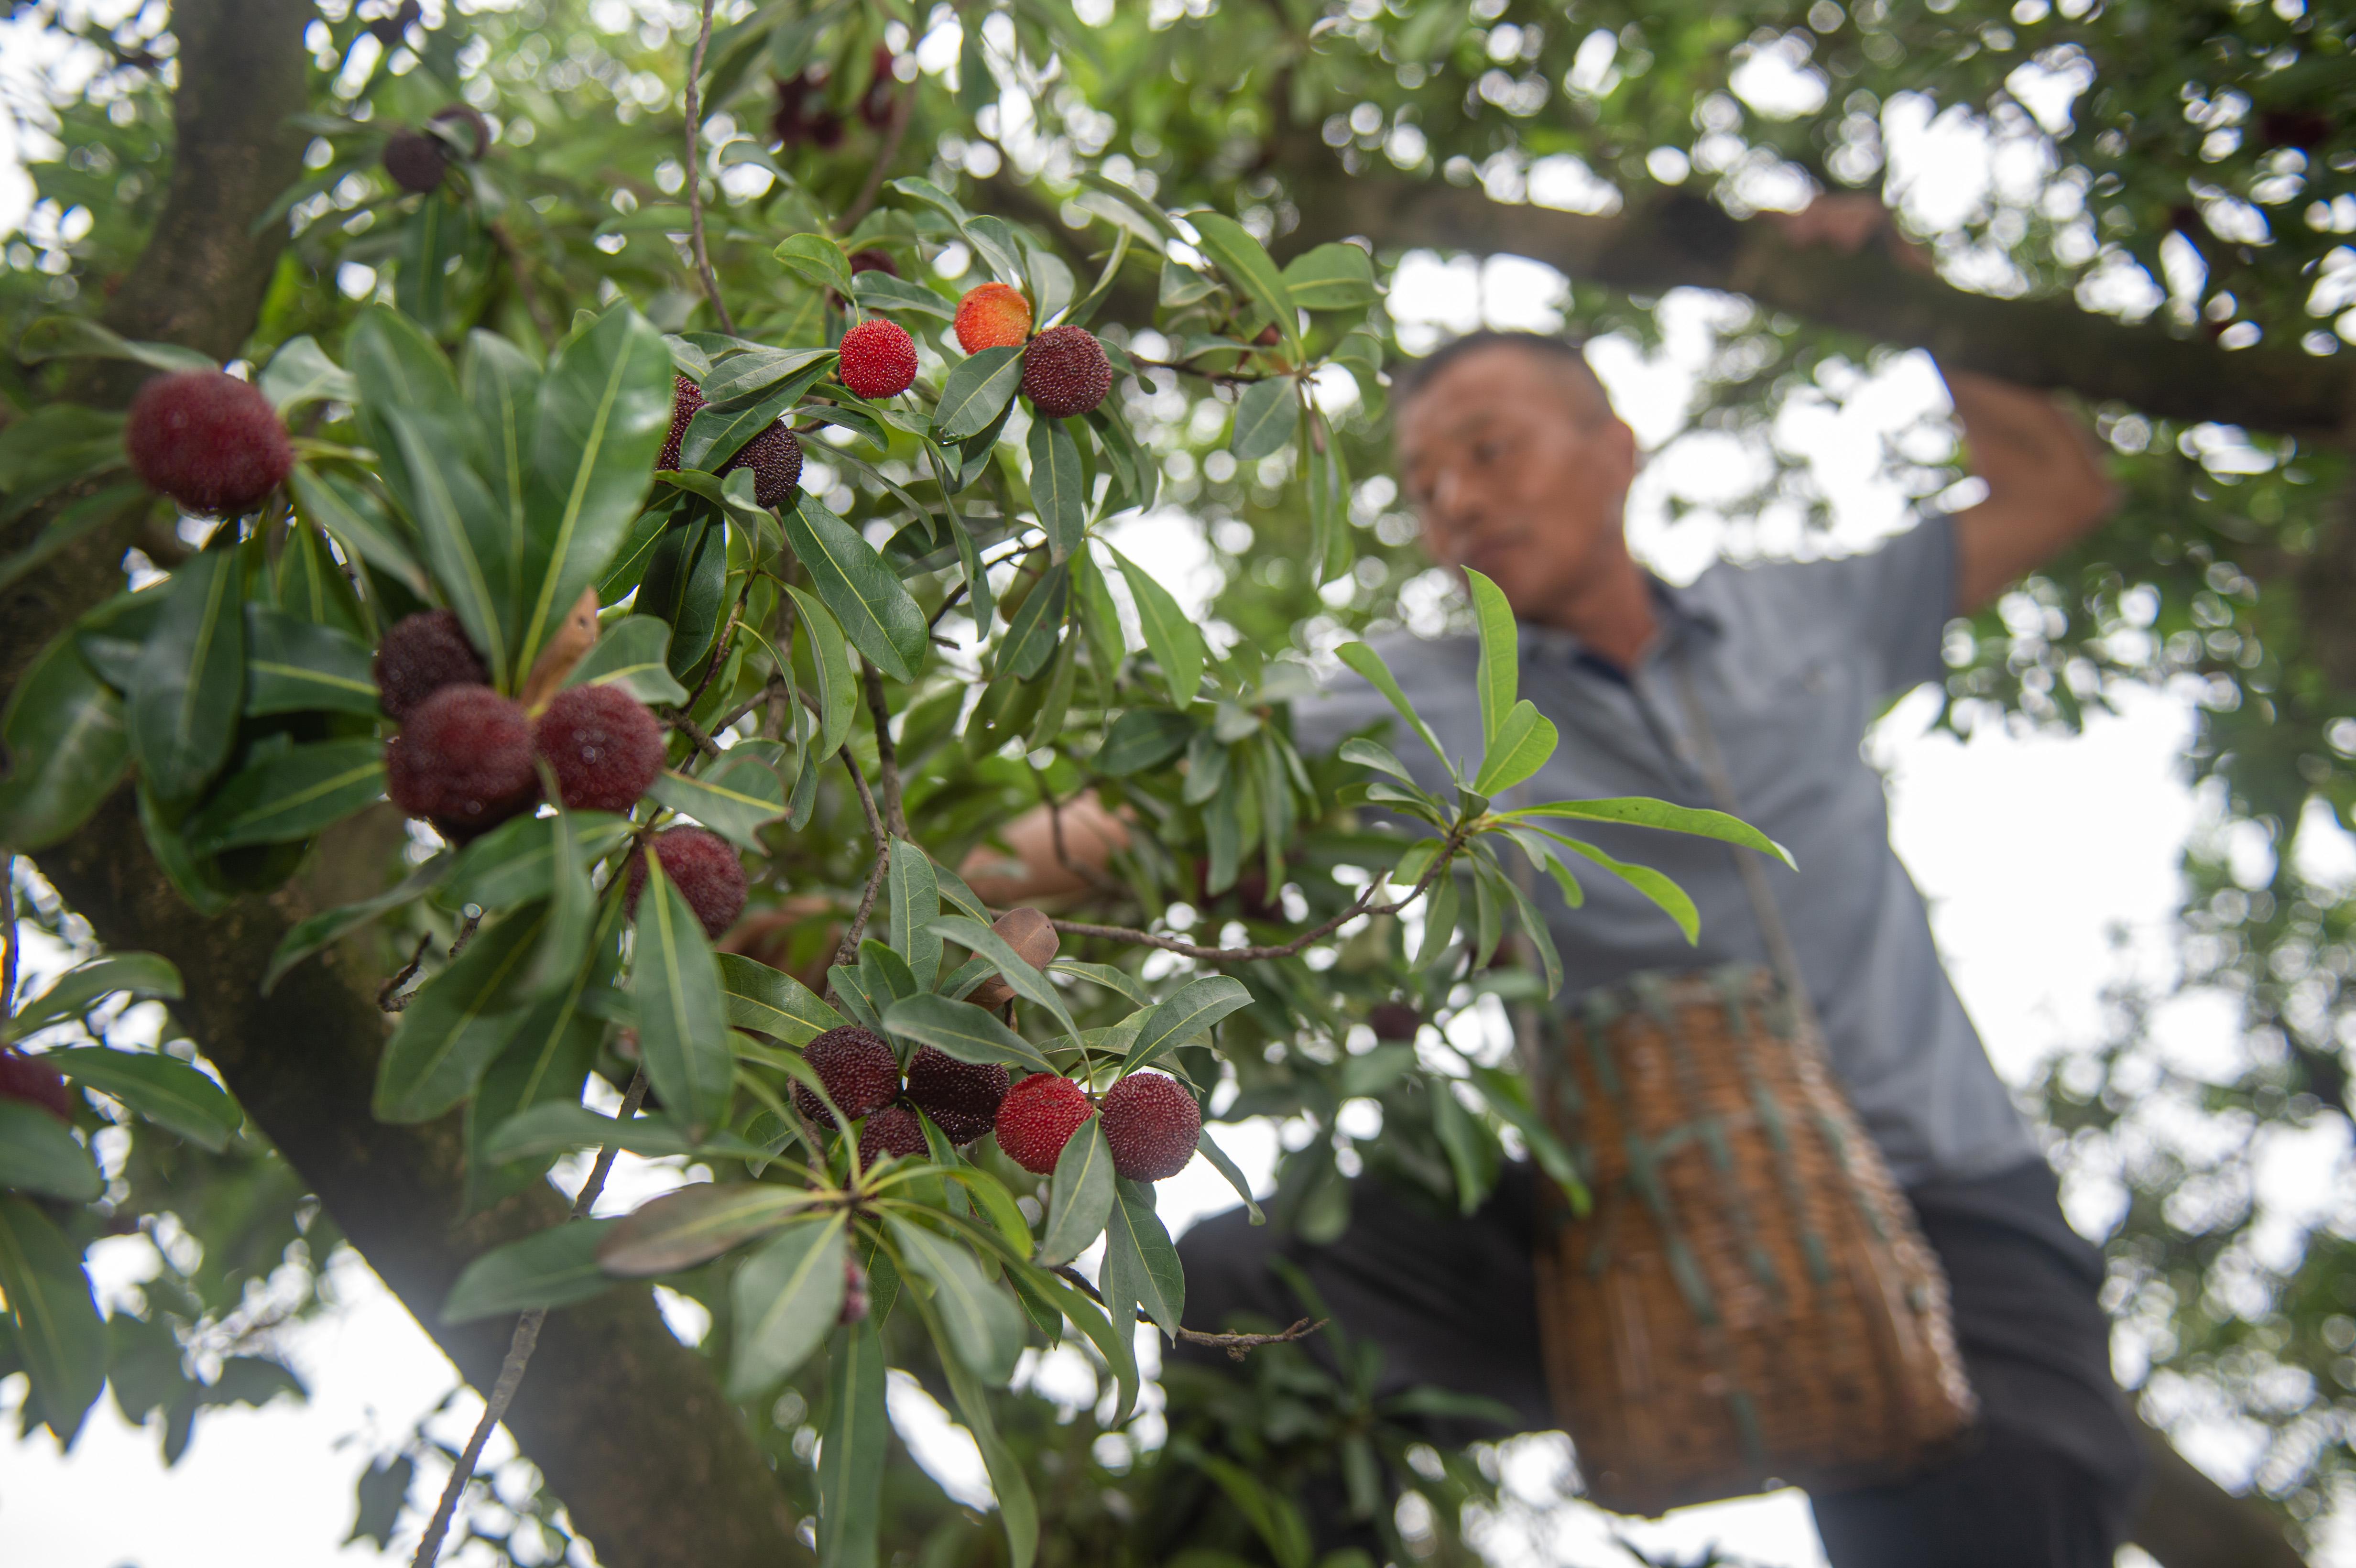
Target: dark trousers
[2051,1479]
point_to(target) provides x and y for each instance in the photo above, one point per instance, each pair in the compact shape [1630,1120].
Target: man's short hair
[1569,354]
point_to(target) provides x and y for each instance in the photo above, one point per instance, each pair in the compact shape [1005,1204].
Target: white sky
[2029,851]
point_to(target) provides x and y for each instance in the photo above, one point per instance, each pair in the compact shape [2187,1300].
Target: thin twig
[386,999]
[1086,873]
[1363,905]
[518,265]
[466,933]
[887,756]
[519,1349]
[688,726]
[695,175]
[719,657]
[8,965]
[1236,1346]
[903,109]
[848,946]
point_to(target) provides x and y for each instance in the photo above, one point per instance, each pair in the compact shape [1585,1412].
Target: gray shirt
[1791,662]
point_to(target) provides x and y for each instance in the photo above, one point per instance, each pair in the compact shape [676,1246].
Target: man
[1510,453]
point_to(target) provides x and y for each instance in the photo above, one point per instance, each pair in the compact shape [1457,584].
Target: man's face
[1518,469]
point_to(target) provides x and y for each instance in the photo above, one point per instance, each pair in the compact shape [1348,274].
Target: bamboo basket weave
[1747,1303]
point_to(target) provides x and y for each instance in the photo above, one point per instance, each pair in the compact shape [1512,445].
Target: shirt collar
[1682,614]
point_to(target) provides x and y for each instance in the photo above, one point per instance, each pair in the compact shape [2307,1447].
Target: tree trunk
[628,1425]
[2190,1521]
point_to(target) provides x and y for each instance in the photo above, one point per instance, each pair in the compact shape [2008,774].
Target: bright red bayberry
[462,760]
[895,1129]
[962,1097]
[1038,1117]
[209,441]
[879,359]
[686,397]
[36,1083]
[1150,1124]
[994,316]
[603,744]
[421,653]
[1065,371]
[861,1074]
[704,867]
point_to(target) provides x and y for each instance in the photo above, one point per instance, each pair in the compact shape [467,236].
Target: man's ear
[1627,456]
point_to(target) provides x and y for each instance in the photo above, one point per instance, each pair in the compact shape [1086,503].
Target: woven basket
[1748,1304]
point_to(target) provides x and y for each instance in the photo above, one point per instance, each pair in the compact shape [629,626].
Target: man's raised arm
[2045,482]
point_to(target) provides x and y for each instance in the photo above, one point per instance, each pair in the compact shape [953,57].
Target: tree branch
[695,173]
[887,756]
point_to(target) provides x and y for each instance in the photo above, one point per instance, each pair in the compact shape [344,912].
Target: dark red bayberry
[776,459]
[879,359]
[962,1097]
[1065,371]
[416,161]
[704,867]
[802,115]
[464,122]
[1150,1124]
[895,1129]
[462,760]
[686,397]
[603,744]
[209,441]
[858,1070]
[35,1082]
[1393,1020]
[1038,1117]
[421,653]
[854,1294]
[871,260]
[875,103]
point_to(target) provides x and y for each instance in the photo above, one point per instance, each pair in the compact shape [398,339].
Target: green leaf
[962,1030]
[1333,276]
[501,385]
[865,594]
[915,904]
[1460,1137]
[604,409]
[167,1091]
[359,523]
[51,447]
[1652,884]
[1139,739]
[1079,1196]
[838,688]
[1028,983]
[698,1223]
[775,1003]
[1018,1513]
[1176,642]
[1533,927]
[750,374]
[295,666]
[1030,640]
[546,1060]
[70,524]
[1275,1517]
[190,678]
[554,1267]
[1369,754]
[734,799]
[1115,1341]
[1369,665]
[1140,1266]
[78,336]
[290,796]
[852,1453]
[1245,265]
[1438,920]
[1640,812]
[300,373]
[1522,744]
[464,534]
[633,653]
[515,862]
[60,1338]
[816,259]
[682,1020]
[1501,655]
[787,1296]
[39,1155]
[1266,416]
[984,1325]
[457,1022]
[1060,488]
[73,993]
[64,733]
[881,290]
[1210,1150]
[1187,1012]
[977,389]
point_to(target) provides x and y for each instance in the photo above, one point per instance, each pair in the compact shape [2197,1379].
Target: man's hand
[2044,473]
[1050,857]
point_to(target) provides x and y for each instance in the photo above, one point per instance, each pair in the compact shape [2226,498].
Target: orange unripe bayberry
[992,316]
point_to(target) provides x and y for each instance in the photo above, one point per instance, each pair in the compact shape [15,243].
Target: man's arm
[2045,481]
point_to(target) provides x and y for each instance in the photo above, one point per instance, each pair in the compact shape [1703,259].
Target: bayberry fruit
[992,316]
[421,653]
[962,1097]
[604,745]
[854,1294]
[795,120]
[879,359]
[875,103]
[1393,1020]
[36,1083]
[467,122]
[686,397]
[1065,372]
[463,761]
[416,161]
[1038,1117]
[861,1074]
[1150,1124]
[1033,936]
[776,459]
[875,262]
[895,1129]
[209,441]
[703,868]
